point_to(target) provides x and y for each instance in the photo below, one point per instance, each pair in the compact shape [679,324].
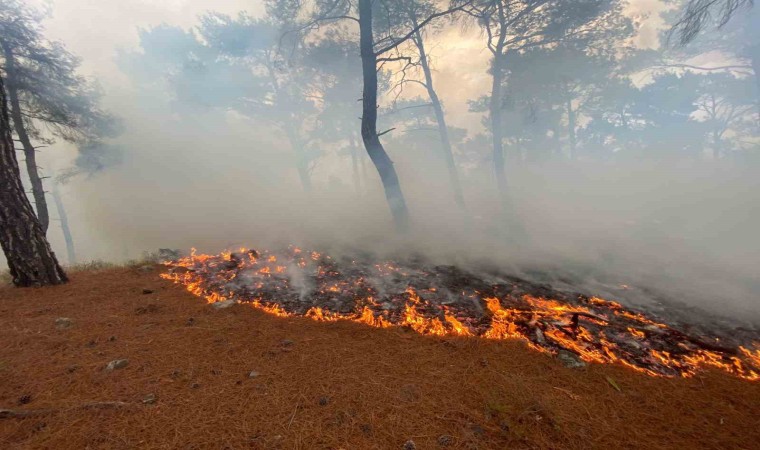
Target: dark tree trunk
[64,225]
[372,144]
[440,119]
[38,191]
[30,260]
[571,124]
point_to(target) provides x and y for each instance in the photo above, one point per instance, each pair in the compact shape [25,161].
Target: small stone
[253,374]
[409,445]
[63,322]
[366,429]
[112,339]
[72,368]
[570,359]
[286,342]
[24,399]
[149,399]
[195,385]
[477,429]
[323,401]
[190,322]
[223,304]
[445,440]
[117,364]
[147,291]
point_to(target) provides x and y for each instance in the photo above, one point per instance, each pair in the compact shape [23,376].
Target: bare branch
[430,18]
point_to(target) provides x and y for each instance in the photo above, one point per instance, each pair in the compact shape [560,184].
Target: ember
[443,300]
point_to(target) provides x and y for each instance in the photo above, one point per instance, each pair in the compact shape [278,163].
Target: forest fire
[444,300]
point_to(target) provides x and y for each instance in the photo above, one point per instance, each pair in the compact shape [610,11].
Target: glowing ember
[442,300]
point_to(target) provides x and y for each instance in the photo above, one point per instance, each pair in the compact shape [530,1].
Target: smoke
[636,230]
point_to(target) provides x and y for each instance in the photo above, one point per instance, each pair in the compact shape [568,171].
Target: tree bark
[375,150]
[64,225]
[30,260]
[440,119]
[38,190]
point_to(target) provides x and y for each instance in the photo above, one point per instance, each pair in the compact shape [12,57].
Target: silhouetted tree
[377,45]
[30,260]
[514,26]
[45,93]
[699,13]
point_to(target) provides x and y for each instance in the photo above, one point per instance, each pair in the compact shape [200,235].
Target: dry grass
[338,385]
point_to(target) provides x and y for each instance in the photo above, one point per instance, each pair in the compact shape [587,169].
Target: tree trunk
[292,135]
[64,225]
[301,164]
[30,260]
[440,119]
[372,144]
[571,123]
[355,164]
[497,75]
[38,191]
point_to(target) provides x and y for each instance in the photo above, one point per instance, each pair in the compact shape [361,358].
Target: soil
[188,382]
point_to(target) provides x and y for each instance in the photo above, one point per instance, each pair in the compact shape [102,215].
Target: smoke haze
[634,229]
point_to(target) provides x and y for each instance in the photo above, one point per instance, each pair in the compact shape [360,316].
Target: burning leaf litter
[446,301]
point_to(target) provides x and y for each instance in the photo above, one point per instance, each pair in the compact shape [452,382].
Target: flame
[544,324]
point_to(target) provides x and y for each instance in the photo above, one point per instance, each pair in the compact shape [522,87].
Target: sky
[95,29]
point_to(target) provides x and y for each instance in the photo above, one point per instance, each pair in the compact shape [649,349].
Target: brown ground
[338,385]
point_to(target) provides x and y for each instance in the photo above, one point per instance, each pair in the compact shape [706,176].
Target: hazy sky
[95,29]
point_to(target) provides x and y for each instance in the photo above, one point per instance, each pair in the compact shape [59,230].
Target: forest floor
[189,384]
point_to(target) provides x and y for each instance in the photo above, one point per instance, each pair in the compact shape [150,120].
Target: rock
[147,291]
[195,385]
[253,374]
[323,401]
[72,368]
[63,322]
[570,359]
[223,304]
[409,445]
[286,342]
[117,364]
[112,339]
[149,399]
[24,399]
[445,440]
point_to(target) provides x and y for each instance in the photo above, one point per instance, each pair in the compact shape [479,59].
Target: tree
[232,63]
[407,14]
[514,26]
[698,13]
[27,251]
[374,43]
[45,93]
